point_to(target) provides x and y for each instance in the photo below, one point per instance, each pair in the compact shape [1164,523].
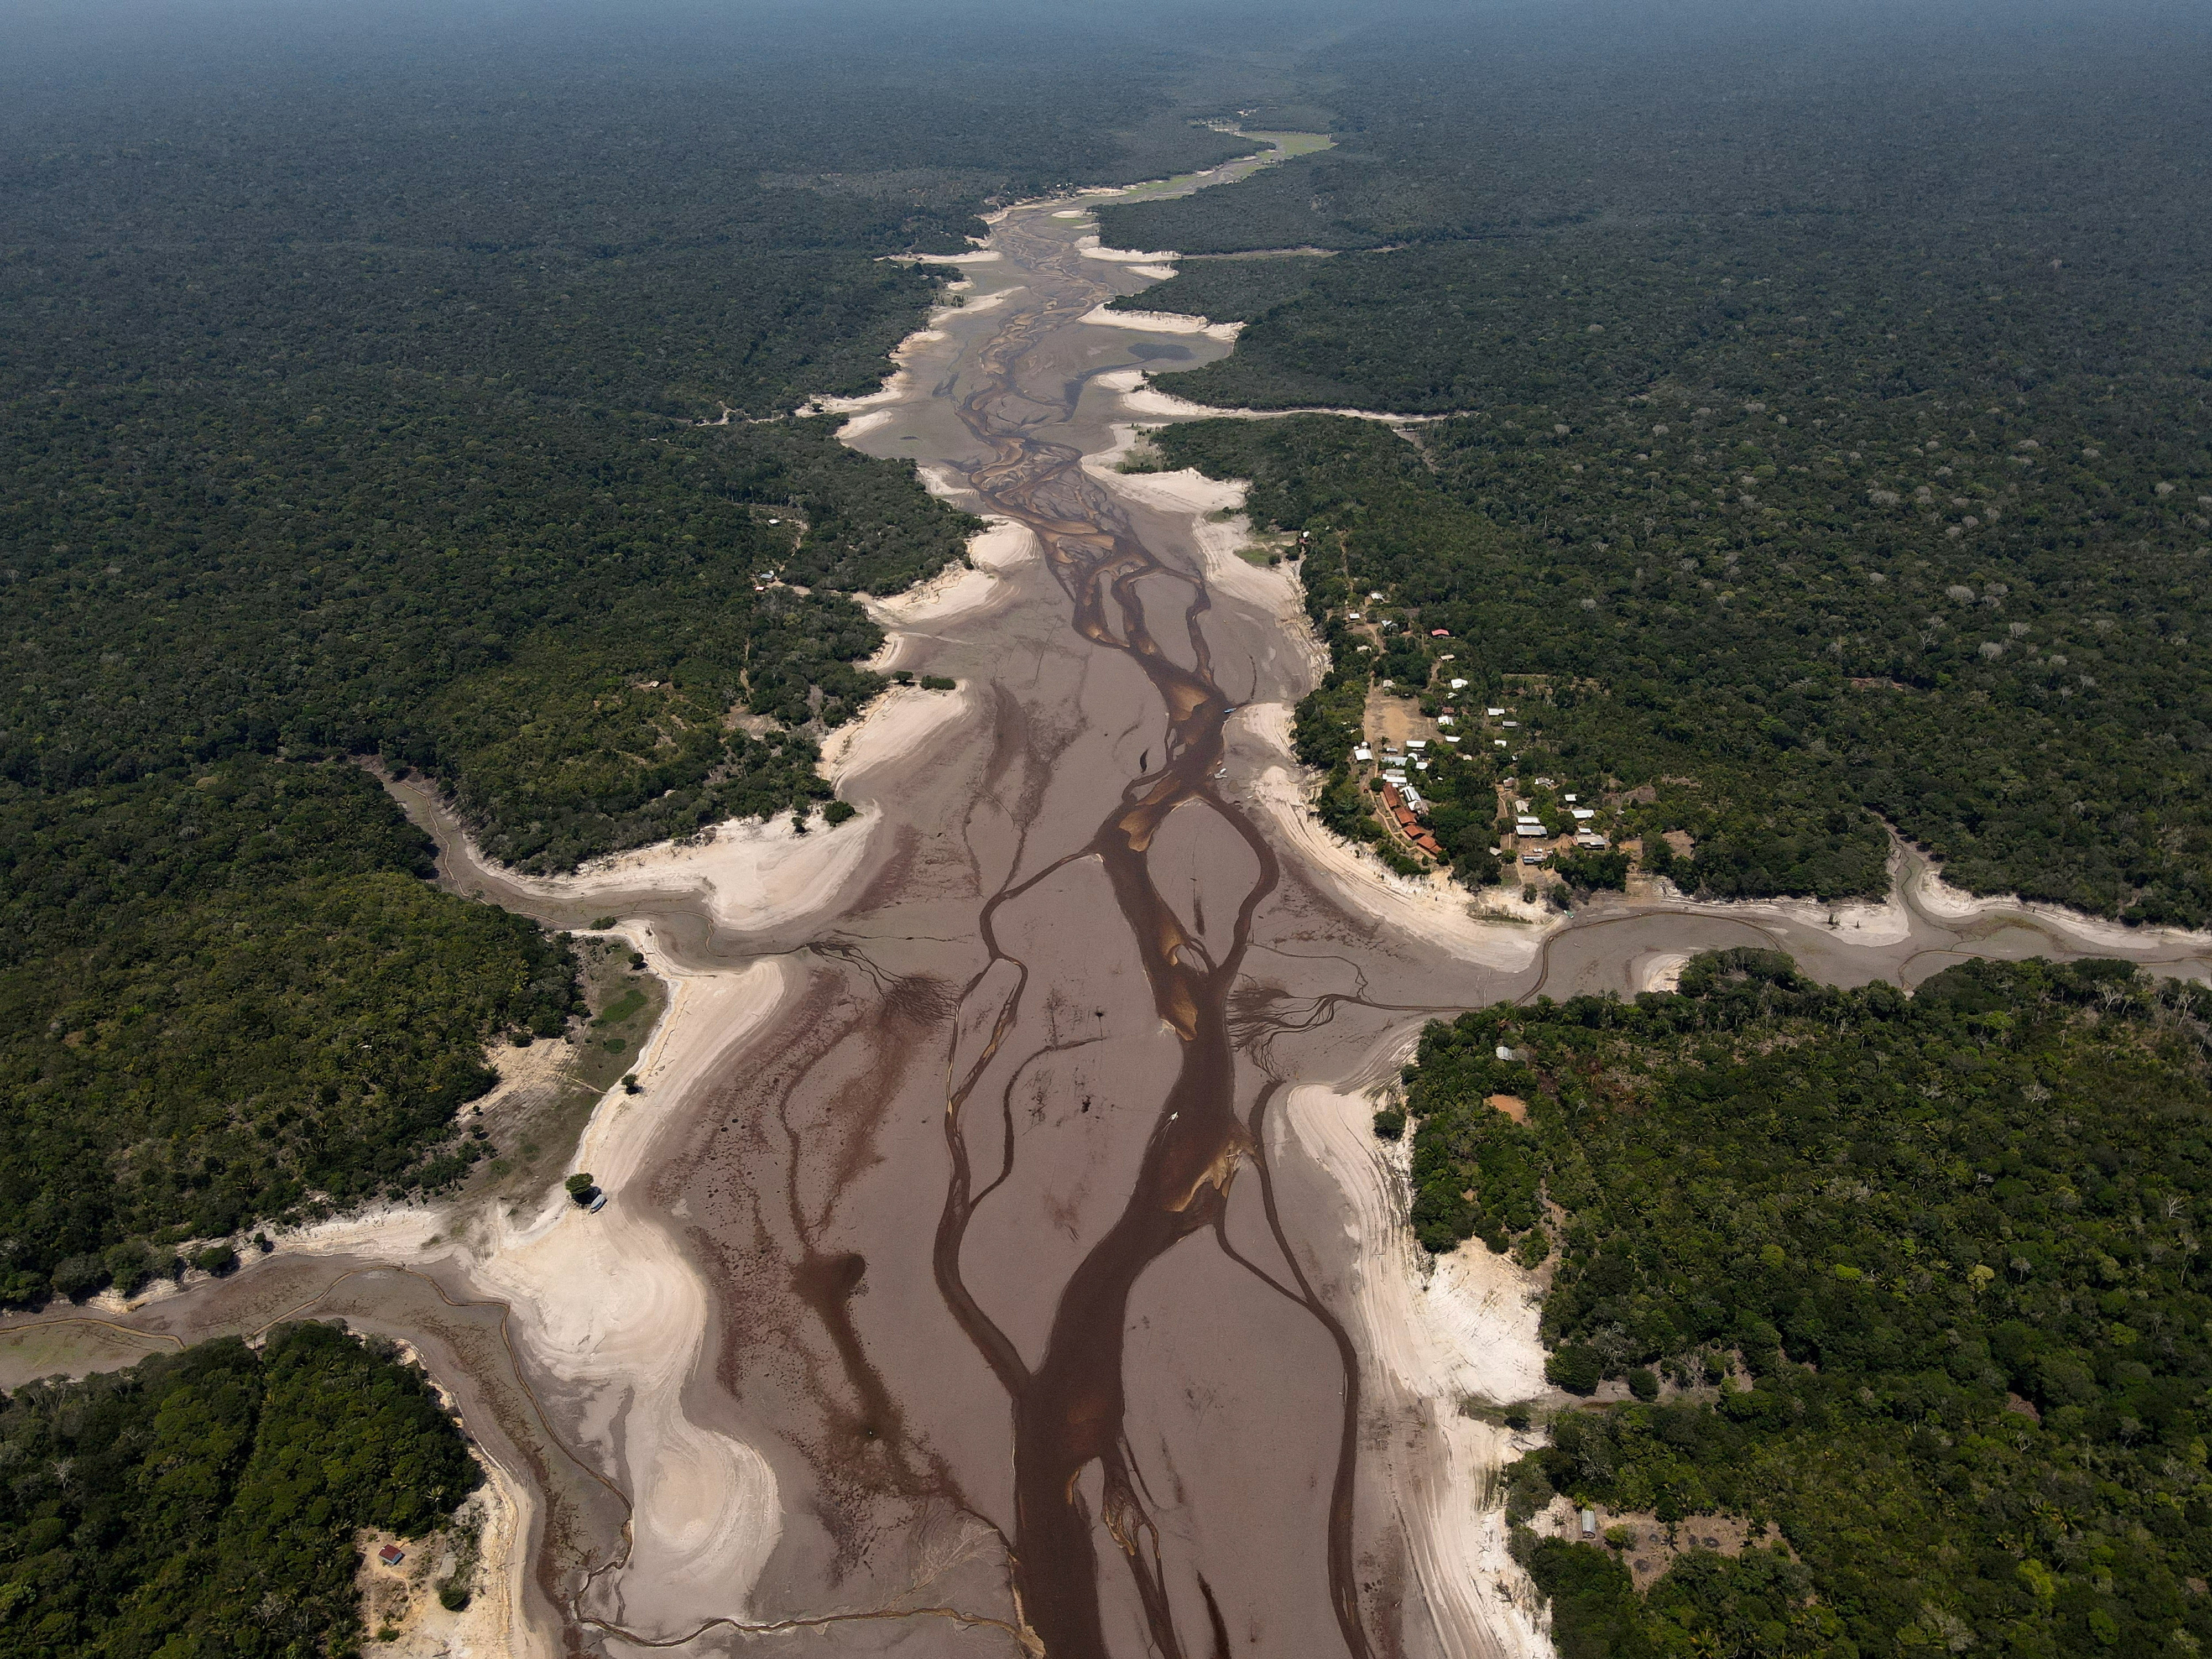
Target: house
[1362,753]
[391,1555]
[1412,798]
[1391,796]
[1570,800]
[1450,737]
[1532,858]
[1440,633]
[1498,743]
[1493,713]
[1509,724]
[1582,812]
[1444,719]
[1589,1524]
[1459,685]
[598,1204]
[1417,744]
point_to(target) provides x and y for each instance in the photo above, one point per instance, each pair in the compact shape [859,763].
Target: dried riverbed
[998,1259]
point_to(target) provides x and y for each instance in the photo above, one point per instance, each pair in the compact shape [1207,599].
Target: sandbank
[897,724]
[610,1304]
[982,255]
[1926,889]
[1089,248]
[957,591]
[748,874]
[1147,398]
[1272,588]
[1160,322]
[1462,1329]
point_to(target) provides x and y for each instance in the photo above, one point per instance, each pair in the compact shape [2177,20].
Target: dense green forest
[1912,1277]
[1830,432]
[353,404]
[225,1000]
[203,1506]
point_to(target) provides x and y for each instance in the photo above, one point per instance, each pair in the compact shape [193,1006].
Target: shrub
[1575,1367]
[78,1276]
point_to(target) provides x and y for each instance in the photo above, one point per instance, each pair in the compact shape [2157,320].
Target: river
[998,1259]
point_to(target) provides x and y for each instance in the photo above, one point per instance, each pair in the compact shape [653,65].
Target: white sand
[860,425]
[1158,322]
[751,875]
[611,1304]
[1148,399]
[1088,247]
[895,386]
[1467,1328]
[1864,922]
[1273,589]
[894,726]
[958,591]
[1948,903]
[990,301]
[493,1624]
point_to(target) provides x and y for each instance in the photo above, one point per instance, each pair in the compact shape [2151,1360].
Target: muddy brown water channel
[1070,1406]
[1042,1321]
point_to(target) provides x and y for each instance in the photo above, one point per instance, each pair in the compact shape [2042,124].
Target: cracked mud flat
[998,1259]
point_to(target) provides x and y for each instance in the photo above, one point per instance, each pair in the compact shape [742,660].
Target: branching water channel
[1068,1409]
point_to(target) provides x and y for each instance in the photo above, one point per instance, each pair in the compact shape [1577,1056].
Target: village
[1421,746]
